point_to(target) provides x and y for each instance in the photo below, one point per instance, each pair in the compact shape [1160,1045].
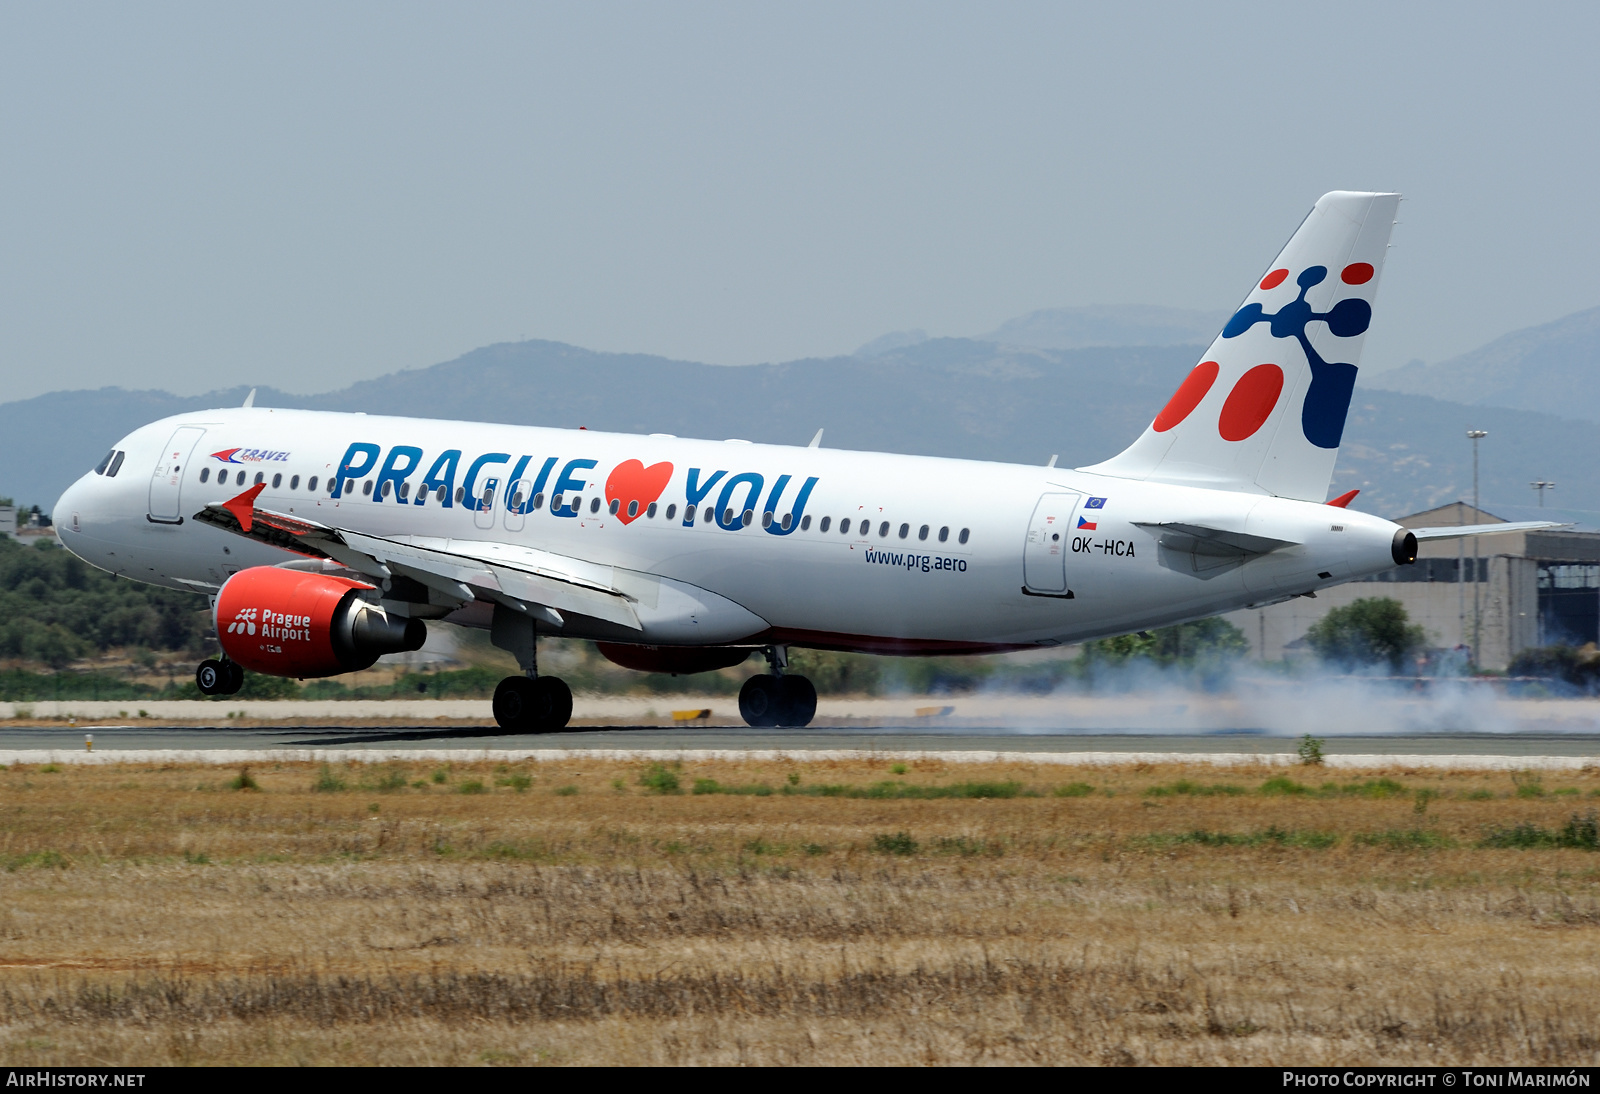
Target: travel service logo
[250,455]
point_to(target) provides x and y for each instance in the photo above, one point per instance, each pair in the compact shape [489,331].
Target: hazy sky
[305,195]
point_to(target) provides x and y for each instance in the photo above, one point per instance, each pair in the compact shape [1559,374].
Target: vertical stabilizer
[1265,410]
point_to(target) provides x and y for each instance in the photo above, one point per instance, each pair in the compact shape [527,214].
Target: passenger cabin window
[261,476]
[387,486]
[688,514]
[311,484]
[594,506]
[294,482]
[650,512]
[366,488]
[922,533]
[805,523]
[538,501]
[616,507]
[444,492]
[766,519]
[883,529]
[405,491]
[844,526]
[749,515]
[461,492]
[205,473]
[905,530]
[672,511]
[240,480]
[277,481]
[823,527]
[944,534]
[964,533]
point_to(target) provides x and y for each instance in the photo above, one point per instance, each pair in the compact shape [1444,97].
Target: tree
[1372,631]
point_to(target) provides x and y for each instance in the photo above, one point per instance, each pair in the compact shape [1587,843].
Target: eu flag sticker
[1095,503]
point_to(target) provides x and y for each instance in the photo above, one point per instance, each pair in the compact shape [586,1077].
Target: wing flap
[505,573]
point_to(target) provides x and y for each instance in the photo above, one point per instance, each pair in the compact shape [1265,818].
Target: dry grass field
[795,913]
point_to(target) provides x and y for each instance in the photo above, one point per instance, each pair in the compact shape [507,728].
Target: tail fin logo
[1332,383]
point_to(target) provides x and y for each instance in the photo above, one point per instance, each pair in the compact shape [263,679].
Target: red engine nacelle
[291,623]
[678,660]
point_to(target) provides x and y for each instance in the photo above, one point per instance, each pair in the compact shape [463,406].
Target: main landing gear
[776,699]
[529,703]
[215,677]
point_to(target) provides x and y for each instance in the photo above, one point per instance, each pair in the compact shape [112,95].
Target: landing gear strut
[777,699]
[529,703]
[215,677]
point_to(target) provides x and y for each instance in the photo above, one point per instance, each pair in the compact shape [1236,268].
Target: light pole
[1542,486]
[1476,435]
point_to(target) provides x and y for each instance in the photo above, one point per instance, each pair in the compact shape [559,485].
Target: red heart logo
[634,486]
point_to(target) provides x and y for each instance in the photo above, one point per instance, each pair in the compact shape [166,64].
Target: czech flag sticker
[1086,525]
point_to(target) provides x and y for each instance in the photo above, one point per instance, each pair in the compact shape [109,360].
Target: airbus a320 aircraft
[327,540]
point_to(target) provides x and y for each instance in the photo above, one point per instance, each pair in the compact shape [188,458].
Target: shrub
[1310,751]
[1073,790]
[243,781]
[1282,784]
[566,791]
[1371,631]
[471,786]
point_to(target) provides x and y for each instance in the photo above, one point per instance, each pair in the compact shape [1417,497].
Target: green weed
[1073,790]
[327,782]
[659,779]
[900,843]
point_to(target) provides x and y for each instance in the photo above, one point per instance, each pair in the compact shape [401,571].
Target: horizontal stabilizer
[1460,531]
[1200,540]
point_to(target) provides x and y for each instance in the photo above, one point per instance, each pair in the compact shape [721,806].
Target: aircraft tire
[758,702]
[212,677]
[517,705]
[797,701]
[553,700]
[235,677]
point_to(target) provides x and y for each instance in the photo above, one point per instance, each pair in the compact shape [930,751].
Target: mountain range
[994,398]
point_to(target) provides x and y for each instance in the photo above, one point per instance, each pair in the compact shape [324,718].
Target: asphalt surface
[193,737]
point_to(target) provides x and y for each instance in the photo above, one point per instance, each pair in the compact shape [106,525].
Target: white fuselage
[1018,539]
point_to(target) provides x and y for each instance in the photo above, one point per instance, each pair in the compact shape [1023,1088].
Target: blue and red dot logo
[1256,393]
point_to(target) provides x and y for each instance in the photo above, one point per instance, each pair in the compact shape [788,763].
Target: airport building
[1511,592]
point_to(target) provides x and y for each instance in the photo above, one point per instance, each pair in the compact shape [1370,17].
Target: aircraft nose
[68,514]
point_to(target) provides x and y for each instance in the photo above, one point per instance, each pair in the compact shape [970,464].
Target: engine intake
[290,623]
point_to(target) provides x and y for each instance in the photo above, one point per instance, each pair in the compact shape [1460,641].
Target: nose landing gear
[215,677]
[777,699]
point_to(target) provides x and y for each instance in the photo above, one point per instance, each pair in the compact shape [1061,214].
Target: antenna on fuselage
[1052,462]
[250,399]
[816,442]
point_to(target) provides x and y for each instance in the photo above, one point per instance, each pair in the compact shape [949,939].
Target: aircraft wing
[1459,531]
[534,582]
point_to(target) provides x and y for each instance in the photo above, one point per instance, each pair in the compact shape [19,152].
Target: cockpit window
[116,465]
[100,469]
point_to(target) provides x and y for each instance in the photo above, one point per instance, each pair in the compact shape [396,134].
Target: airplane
[326,540]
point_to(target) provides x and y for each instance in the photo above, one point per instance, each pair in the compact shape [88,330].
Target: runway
[225,744]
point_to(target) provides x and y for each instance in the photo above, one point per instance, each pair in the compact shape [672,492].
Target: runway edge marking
[221,756]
